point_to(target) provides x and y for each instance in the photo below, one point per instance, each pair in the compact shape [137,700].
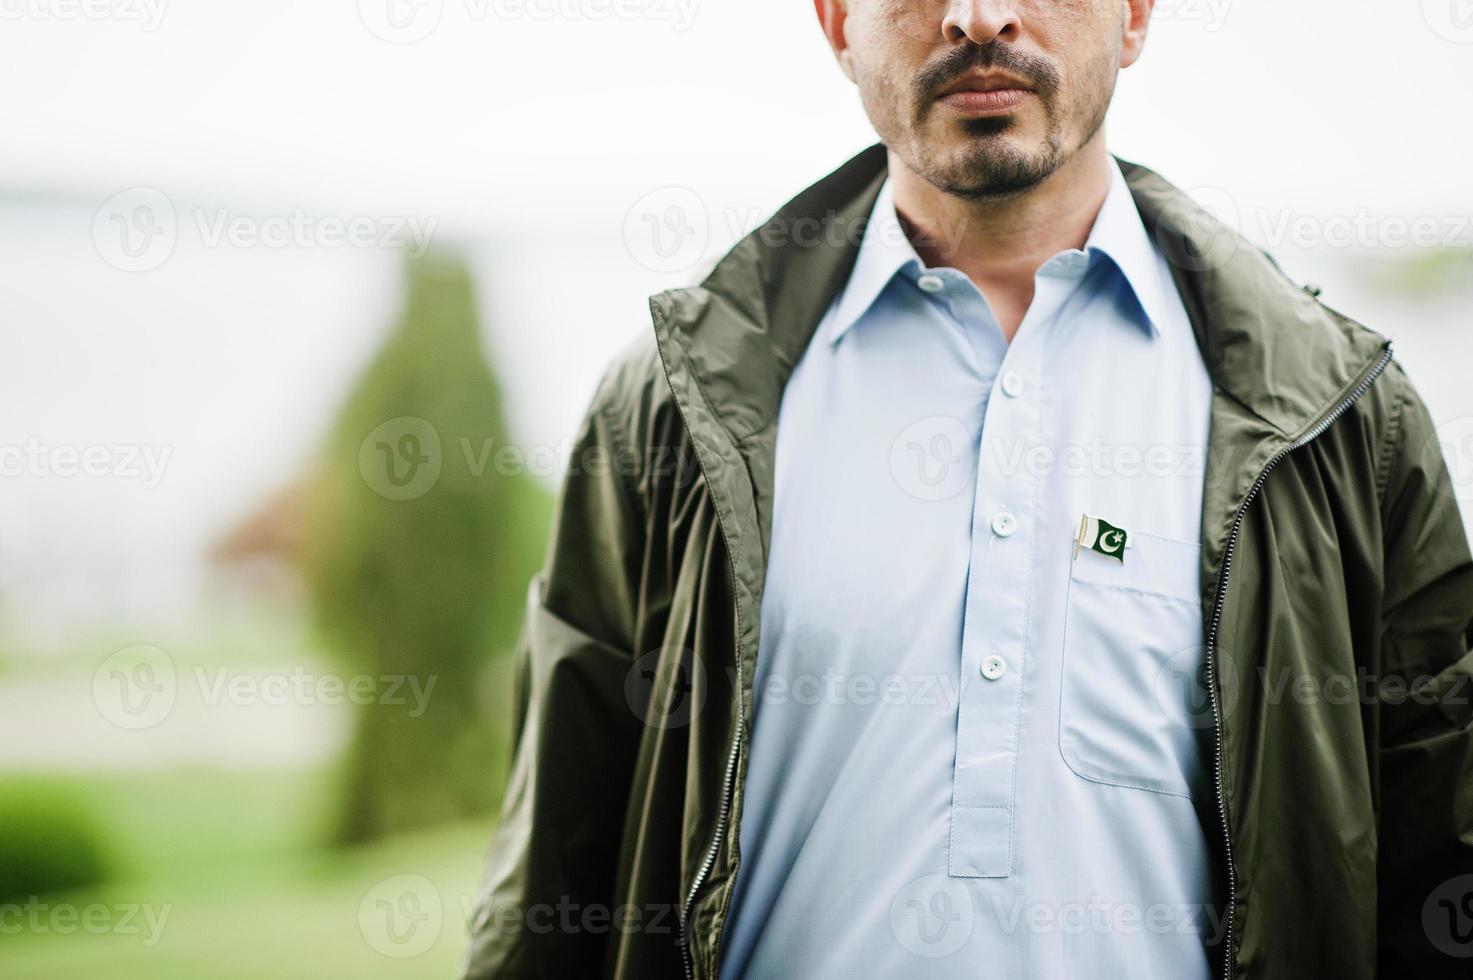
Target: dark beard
[992,170]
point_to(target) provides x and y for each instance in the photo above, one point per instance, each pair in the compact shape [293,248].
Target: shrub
[49,841]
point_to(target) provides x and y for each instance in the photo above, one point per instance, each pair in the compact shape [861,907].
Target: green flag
[1100,535]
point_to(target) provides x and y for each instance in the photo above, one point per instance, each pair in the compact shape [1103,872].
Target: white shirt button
[993,667]
[1004,524]
[1012,384]
[931,283]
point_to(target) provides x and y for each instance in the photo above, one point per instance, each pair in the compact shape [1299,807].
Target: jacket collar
[1278,359]
[1275,349]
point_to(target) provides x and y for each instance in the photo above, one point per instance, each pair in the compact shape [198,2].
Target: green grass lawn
[224,875]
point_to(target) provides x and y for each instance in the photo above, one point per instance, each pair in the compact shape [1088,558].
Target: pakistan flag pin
[1100,535]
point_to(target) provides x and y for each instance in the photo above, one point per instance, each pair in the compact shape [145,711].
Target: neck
[1000,244]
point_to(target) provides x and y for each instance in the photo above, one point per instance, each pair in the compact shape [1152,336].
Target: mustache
[1037,71]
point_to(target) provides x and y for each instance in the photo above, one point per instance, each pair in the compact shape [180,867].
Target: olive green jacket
[1334,564]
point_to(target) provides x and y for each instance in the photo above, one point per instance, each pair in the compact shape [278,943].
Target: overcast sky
[537,106]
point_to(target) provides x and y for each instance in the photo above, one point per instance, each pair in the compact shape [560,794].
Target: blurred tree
[50,841]
[423,533]
[1423,273]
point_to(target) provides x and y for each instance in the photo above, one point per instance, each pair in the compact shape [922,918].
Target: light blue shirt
[976,753]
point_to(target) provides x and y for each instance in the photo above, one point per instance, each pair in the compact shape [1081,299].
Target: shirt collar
[1120,234]
[885,250]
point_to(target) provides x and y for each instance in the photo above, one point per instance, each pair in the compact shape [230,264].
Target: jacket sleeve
[1425,861]
[542,910]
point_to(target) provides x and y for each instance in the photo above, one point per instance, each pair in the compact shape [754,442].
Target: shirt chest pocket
[1133,704]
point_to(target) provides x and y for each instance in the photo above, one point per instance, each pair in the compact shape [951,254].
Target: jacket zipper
[1314,432]
[721,822]
[727,781]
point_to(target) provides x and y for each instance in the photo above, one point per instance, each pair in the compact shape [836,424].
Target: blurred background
[301,305]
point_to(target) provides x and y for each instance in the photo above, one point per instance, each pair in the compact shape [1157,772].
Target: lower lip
[994,103]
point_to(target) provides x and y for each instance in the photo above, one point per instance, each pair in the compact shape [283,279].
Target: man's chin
[992,166]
